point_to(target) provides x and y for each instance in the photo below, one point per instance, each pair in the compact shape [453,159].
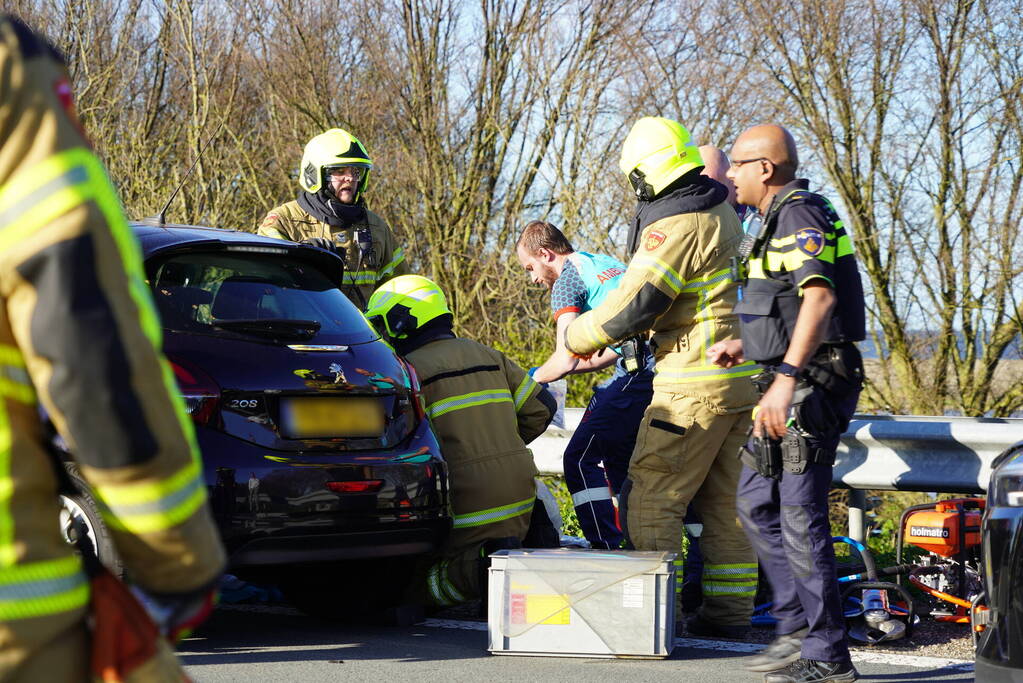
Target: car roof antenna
[161,218]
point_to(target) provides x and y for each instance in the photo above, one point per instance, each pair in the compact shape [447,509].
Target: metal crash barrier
[886,452]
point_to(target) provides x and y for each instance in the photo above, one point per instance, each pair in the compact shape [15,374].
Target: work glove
[320,243]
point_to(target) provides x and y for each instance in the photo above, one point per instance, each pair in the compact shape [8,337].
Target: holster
[765,458]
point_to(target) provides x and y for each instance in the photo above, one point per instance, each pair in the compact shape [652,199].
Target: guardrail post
[857,504]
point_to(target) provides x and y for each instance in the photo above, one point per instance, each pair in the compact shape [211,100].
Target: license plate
[330,417]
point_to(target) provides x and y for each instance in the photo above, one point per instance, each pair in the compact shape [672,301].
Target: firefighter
[679,286]
[331,213]
[802,312]
[79,334]
[484,409]
[596,459]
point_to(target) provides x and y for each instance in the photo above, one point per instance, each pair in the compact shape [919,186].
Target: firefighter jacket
[363,272]
[678,285]
[484,409]
[801,239]
[80,335]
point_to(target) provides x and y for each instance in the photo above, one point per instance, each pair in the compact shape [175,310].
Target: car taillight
[415,391]
[200,392]
[368,486]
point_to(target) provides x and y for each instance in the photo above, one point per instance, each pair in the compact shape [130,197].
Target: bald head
[770,142]
[715,165]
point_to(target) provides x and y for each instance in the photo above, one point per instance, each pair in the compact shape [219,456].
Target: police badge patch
[654,240]
[810,241]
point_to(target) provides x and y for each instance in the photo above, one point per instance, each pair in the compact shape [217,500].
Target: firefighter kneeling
[484,409]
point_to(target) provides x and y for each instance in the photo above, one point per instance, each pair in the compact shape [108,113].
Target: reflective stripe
[708,281]
[441,589]
[703,373]
[679,577]
[40,588]
[361,277]
[7,551]
[153,506]
[594,336]
[664,272]
[729,588]
[737,571]
[14,380]
[523,391]
[475,398]
[590,495]
[497,514]
[398,257]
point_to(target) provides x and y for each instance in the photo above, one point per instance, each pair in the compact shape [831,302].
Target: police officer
[678,285]
[79,334]
[596,459]
[331,213]
[484,410]
[801,310]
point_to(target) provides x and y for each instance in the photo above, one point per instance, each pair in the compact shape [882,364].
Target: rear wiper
[271,327]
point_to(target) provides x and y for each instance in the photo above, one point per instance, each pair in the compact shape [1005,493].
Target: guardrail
[878,452]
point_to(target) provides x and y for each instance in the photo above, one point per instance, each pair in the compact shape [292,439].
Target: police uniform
[678,285]
[783,488]
[363,272]
[484,410]
[596,460]
[79,334]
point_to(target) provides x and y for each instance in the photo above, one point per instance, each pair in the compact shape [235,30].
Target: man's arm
[655,276]
[814,315]
[562,362]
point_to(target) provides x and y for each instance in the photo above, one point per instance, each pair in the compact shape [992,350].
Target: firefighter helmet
[333,149]
[657,152]
[404,304]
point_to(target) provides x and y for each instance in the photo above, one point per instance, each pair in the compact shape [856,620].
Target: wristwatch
[787,369]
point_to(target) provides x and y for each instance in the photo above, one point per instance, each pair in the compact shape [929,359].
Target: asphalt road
[277,643]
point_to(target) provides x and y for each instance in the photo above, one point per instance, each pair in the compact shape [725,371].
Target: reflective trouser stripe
[523,391]
[590,495]
[462,401]
[442,591]
[744,588]
[679,576]
[41,588]
[497,514]
[741,570]
[153,506]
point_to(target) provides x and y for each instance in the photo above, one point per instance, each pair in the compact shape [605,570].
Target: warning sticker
[632,593]
[547,609]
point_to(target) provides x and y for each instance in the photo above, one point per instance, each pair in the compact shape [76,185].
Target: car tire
[79,513]
[350,591]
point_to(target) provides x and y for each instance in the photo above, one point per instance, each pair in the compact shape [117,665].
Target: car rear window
[194,291]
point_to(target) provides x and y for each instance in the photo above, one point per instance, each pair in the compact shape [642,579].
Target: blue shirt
[585,281]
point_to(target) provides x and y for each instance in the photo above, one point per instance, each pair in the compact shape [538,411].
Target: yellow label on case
[547,609]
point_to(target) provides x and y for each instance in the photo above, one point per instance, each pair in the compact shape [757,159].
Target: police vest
[600,274]
[770,295]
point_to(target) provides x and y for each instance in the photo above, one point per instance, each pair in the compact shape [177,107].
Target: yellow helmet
[404,304]
[329,150]
[657,152]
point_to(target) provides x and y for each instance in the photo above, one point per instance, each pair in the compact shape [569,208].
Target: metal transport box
[582,603]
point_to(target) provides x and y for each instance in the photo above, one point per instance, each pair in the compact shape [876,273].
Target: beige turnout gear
[679,286]
[484,409]
[79,334]
[291,222]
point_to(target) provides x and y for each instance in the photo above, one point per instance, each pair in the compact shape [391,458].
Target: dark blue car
[315,444]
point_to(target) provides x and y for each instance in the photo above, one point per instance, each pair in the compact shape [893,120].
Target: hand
[772,413]
[320,243]
[726,354]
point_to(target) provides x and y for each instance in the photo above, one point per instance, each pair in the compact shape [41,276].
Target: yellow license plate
[330,417]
